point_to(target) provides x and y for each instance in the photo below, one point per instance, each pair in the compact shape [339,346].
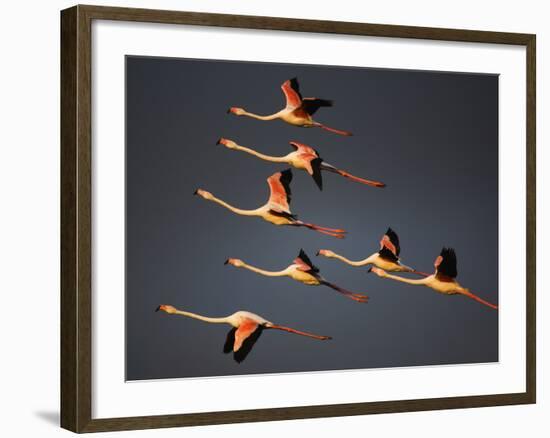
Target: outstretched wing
[291,89]
[312,104]
[229,341]
[279,187]
[303,148]
[247,345]
[389,246]
[304,263]
[315,165]
[243,332]
[445,263]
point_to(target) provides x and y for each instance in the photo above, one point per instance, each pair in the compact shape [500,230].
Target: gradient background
[431,137]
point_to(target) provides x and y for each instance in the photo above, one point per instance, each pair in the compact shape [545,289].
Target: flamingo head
[234,262]
[204,194]
[236,111]
[378,271]
[227,143]
[325,253]
[166,308]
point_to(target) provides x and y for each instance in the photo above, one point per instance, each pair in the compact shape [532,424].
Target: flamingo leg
[334,130]
[325,230]
[297,332]
[331,168]
[351,295]
[360,180]
[422,274]
[479,299]
[319,230]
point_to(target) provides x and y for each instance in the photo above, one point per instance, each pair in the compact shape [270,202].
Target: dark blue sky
[431,137]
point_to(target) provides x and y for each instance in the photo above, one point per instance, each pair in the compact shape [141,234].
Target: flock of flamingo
[247,326]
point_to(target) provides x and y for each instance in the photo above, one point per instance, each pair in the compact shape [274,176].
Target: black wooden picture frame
[76,218]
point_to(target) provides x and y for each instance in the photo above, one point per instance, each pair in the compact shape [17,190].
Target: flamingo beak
[229,111]
[369,270]
[318,252]
[196,192]
[219,141]
[226,262]
[158,308]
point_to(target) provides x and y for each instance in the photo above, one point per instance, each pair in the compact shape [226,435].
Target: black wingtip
[157,309]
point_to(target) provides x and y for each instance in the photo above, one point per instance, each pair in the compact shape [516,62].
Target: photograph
[364,181]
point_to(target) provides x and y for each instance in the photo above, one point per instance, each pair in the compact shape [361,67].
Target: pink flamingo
[443,280]
[298,110]
[246,329]
[277,209]
[303,157]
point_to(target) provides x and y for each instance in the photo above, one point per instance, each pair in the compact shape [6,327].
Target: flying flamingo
[246,329]
[298,110]
[386,258]
[443,280]
[301,270]
[303,157]
[277,208]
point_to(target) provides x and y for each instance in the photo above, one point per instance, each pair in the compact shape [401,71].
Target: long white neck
[235,209]
[258,117]
[363,262]
[223,320]
[262,156]
[282,273]
[422,281]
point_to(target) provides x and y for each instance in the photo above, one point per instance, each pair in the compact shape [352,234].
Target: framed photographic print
[268,218]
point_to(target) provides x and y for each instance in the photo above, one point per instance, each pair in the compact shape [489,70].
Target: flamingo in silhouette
[277,209]
[303,157]
[298,111]
[246,329]
[386,258]
[443,280]
[301,270]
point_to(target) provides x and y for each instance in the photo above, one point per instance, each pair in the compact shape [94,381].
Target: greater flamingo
[277,209]
[298,110]
[443,280]
[303,157]
[246,329]
[301,270]
[386,258]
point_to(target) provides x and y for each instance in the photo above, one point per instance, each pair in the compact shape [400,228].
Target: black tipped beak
[196,192]
[219,141]
[318,252]
[157,309]
[226,262]
[369,270]
[228,110]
